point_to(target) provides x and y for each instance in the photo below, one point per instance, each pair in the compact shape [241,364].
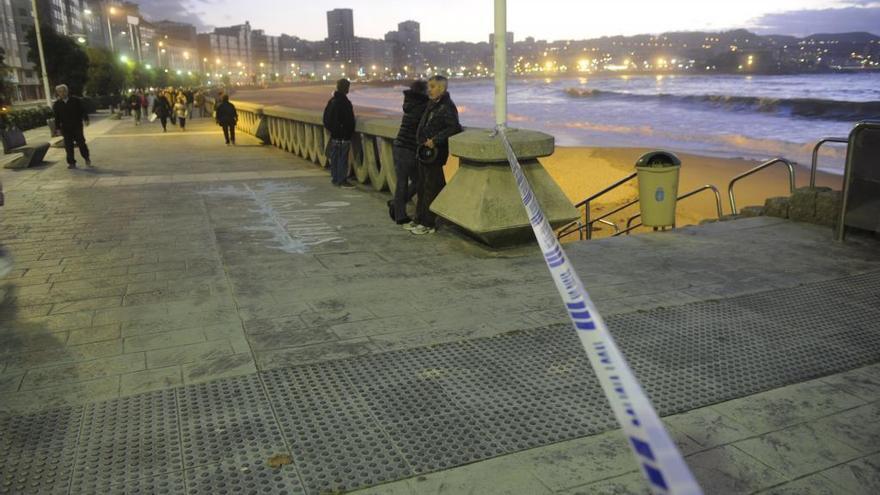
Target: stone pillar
[482,197]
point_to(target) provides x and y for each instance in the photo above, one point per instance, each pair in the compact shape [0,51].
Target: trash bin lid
[658,158]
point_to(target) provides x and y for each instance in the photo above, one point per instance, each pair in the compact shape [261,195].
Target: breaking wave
[798,107]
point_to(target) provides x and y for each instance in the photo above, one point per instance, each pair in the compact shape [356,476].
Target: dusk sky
[471,20]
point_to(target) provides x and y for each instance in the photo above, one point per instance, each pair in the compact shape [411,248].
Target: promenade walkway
[185,310]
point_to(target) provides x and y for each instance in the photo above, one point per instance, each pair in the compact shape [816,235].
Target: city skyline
[542,21]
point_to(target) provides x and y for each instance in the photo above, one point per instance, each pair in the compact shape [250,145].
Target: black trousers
[164,120]
[229,133]
[431,182]
[406,167]
[71,137]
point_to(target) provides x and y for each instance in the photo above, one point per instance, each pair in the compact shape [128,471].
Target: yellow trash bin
[658,187]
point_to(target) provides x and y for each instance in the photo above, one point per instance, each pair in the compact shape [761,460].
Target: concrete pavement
[178,261]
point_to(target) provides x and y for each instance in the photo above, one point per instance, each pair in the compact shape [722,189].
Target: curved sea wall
[302,133]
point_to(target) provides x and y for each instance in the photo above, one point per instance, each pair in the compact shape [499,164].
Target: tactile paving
[248,477]
[227,420]
[127,439]
[372,419]
[37,451]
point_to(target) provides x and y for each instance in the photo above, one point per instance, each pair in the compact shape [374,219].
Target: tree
[66,62]
[105,75]
[6,89]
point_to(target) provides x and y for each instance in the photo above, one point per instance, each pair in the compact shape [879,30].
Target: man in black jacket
[227,118]
[70,113]
[339,120]
[415,100]
[438,124]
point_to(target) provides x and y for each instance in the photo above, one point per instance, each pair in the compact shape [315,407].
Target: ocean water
[752,117]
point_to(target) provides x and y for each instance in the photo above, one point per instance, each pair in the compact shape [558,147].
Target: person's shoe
[71,165]
[405,222]
[390,204]
[6,263]
[422,230]
[410,226]
[347,185]
[88,163]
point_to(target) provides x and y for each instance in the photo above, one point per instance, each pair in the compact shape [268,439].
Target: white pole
[500,63]
[42,55]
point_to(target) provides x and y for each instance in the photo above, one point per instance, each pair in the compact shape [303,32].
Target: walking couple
[421,148]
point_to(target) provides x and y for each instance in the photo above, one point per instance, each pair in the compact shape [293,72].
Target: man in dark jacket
[339,120]
[70,113]
[415,100]
[438,124]
[227,118]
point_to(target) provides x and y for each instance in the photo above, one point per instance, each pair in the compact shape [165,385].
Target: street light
[41,52]
[111,11]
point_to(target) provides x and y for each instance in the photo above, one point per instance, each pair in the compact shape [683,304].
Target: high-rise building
[63,16]
[240,52]
[409,45]
[340,35]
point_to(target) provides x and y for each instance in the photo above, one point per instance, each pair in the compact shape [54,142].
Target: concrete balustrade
[482,198]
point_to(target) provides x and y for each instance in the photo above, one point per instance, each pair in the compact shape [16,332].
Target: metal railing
[815,164]
[708,187]
[585,228]
[768,163]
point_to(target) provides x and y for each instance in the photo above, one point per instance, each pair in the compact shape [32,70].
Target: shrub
[25,118]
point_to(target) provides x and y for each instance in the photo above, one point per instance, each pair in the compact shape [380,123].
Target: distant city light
[148,66]
[123,58]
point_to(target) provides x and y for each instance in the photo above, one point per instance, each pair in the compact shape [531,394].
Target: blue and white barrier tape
[662,464]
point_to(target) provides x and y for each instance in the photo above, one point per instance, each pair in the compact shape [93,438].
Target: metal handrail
[757,169]
[815,164]
[585,227]
[707,187]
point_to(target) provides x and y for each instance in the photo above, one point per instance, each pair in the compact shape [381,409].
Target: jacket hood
[412,98]
[337,94]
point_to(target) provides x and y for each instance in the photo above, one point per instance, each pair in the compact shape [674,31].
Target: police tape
[656,453]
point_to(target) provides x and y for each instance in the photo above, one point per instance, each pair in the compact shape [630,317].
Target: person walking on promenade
[227,117]
[406,165]
[200,104]
[162,109]
[145,104]
[135,103]
[438,124]
[181,111]
[70,113]
[339,120]
[190,98]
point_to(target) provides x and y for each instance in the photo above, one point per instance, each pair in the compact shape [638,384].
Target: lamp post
[42,54]
[110,11]
[500,63]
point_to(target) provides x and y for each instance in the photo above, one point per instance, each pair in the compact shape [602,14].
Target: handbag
[429,156]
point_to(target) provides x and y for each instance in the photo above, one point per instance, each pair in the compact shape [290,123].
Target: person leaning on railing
[406,165]
[438,124]
[339,120]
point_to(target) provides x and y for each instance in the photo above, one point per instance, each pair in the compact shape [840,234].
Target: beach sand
[583,171]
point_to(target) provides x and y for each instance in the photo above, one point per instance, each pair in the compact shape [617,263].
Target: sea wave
[799,107]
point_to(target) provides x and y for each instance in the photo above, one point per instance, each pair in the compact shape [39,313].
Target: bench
[15,142]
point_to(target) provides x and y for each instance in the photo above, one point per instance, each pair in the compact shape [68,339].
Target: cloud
[864,17]
[189,11]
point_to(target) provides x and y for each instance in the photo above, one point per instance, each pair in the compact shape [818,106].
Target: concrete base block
[802,206]
[483,200]
[752,211]
[828,204]
[777,207]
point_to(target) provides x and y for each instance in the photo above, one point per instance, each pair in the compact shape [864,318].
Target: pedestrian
[200,104]
[339,120]
[227,118]
[70,113]
[134,102]
[145,104]
[162,110]
[438,124]
[190,97]
[415,100]
[181,111]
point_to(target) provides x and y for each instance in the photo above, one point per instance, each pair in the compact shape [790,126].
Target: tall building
[240,52]
[63,16]
[340,35]
[409,45]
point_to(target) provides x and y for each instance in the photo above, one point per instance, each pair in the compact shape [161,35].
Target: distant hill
[858,37]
